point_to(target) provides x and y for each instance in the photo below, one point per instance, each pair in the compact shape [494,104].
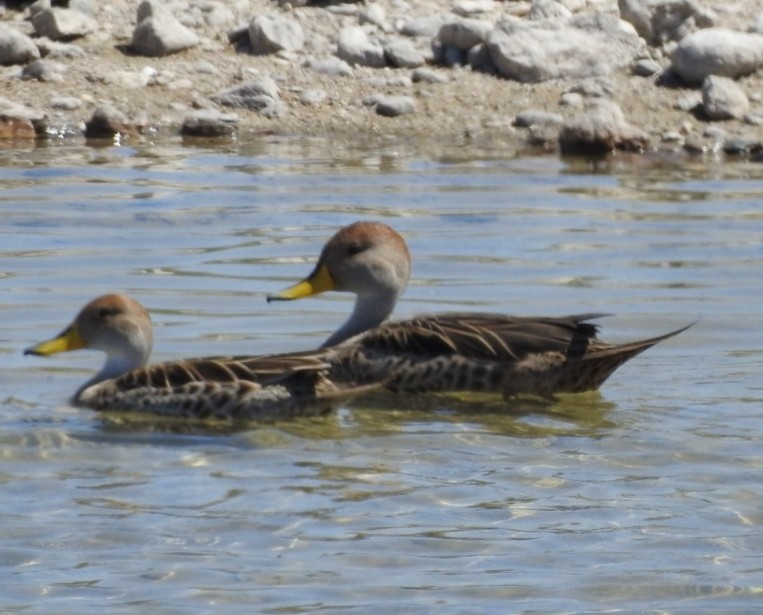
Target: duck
[478,352]
[268,387]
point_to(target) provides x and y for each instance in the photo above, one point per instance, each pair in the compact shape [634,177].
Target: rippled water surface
[645,498]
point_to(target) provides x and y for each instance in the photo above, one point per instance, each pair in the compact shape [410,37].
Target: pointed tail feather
[597,365]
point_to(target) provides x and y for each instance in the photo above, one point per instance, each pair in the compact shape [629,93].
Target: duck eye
[105,312]
[354,249]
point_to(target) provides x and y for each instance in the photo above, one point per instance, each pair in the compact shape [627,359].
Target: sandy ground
[470,105]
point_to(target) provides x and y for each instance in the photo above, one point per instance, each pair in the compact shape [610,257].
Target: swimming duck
[451,352]
[267,387]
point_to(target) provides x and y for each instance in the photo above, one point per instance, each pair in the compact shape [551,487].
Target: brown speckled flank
[450,352]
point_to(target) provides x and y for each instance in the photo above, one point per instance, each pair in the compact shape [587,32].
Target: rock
[479,59]
[55,50]
[20,122]
[401,53]
[571,99]
[391,106]
[375,14]
[594,87]
[83,6]
[717,51]
[44,70]
[313,97]
[63,24]
[66,103]
[659,21]
[581,48]
[548,9]
[331,66]
[428,75]
[15,47]
[273,33]
[422,27]
[158,33]
[469,8]
[463,34]
[645,68]
[601,130]
[530,118]
[108,122]
[354,47]
[260,94]
[209,123]
[723,99]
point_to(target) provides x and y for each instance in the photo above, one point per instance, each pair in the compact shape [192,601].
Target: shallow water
[643,498]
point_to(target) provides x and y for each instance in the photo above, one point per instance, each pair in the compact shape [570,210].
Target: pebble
[260,94]
[313,97]
[402,53]
[530,118]
[108,122]
[601,130]
[16,47]
[428,75]
[56,50]
[333,66]
[63,24]
[391,106]
[44,70]
[356,48]
[421,27]
[209,123]
[66,103]
[469,8]
[723,99]
[645,68]
[463,34]
[158,33]
[273,33]
[717,51]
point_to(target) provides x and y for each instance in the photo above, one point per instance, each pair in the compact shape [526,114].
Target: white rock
[354,47]
[548,9]
[402,53]
[600,130]
[15,47]
[717,51]
[162,35]
[273,33]
[469,8]
[58,23]
[464,34]
[582,48]
[258,94]
[723,99]
[375,14]
[659,21]
[331,66]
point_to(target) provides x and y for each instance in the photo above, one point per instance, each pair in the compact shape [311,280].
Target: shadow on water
[379,415]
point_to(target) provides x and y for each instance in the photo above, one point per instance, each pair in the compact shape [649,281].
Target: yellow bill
[319,281]
[69,339]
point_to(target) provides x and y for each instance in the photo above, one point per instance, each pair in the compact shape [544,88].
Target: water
[645,498]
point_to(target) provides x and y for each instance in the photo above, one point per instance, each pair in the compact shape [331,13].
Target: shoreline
[460,97]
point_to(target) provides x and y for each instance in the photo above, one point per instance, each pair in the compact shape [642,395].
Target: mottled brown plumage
[450,352]
[267,387]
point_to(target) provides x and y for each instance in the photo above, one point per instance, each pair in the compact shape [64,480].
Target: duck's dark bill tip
[271,298]
[32,351]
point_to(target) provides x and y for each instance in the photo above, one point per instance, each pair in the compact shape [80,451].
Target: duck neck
[116,364]
[370,311]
